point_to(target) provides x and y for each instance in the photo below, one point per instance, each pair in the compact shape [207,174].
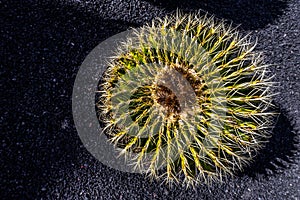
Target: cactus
[187,99]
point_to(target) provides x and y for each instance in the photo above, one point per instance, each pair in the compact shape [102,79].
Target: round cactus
[186,96]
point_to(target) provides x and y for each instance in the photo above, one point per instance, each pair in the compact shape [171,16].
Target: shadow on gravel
[251,15]
[278,153]
[44,46]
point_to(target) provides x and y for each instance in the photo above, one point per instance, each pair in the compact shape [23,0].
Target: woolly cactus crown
[186,95]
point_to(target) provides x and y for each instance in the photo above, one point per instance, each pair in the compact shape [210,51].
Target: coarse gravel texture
[42,45]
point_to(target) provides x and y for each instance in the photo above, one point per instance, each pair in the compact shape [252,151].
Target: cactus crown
[186,95]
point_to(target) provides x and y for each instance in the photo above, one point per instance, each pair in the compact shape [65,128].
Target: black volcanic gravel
[42,45]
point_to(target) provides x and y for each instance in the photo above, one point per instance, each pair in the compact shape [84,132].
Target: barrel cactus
[186,99]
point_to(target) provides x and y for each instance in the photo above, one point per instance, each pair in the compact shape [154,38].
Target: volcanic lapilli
[187,99]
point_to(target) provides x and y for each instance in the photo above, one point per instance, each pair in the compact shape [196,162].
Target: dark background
[42,45]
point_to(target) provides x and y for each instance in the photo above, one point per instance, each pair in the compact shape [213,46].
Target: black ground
[42,45]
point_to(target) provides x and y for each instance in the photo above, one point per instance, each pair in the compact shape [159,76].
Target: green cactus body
[186,95]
